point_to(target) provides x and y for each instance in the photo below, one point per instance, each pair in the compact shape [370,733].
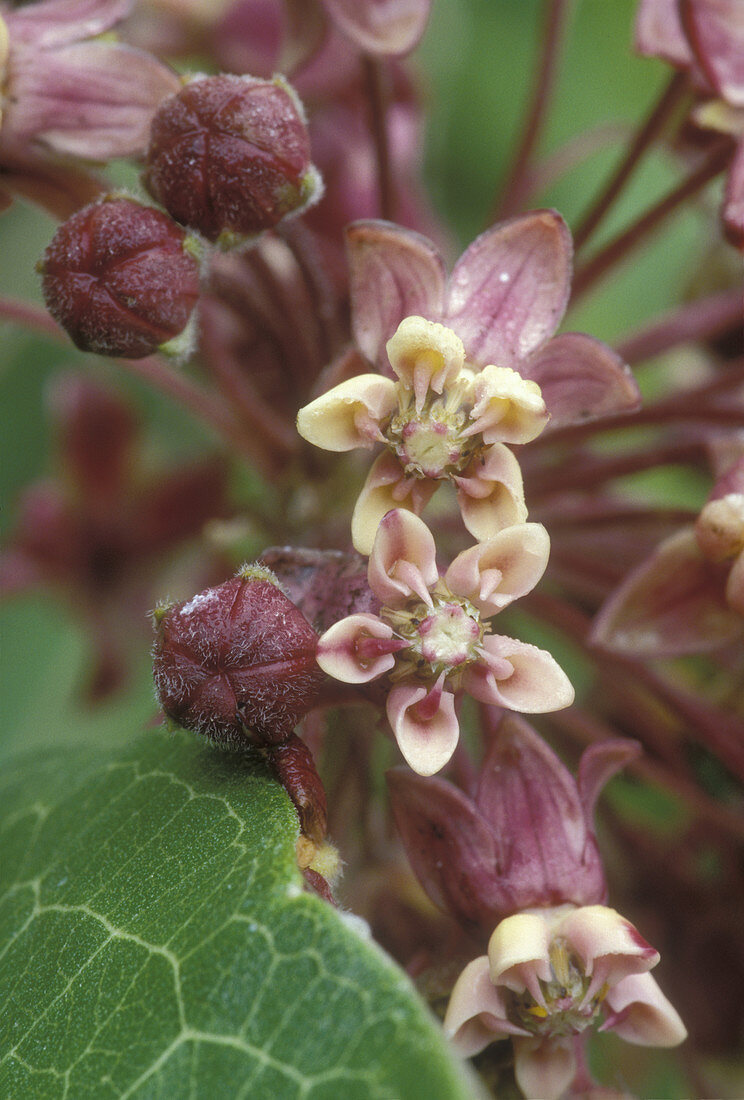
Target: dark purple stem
[639,144]
[694,321]
[621,245]
[540,101]
[377,99]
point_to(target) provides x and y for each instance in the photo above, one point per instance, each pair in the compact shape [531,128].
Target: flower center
[565,1011]
[429,442]
[442,638]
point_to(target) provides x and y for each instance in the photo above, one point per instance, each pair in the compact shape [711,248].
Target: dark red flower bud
[121,278]
[230,155]
[237,662]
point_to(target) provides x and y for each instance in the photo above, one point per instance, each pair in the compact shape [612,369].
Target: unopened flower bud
[237,662]
[120,278]
[229,156]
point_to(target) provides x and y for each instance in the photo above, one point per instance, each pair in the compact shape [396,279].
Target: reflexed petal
[659,32]
[519,954]
[384,27]
[642,1014]
[508,408]
[492,574]
[57,22]
[673,603]
[92,99]
[509,289]
[338,654]
[610,947]
[403,559]
[393,274]
[349,415]
[597,766]
[490,493]
[476,1014]
[544,1067]
[427,740]
[425,354]
[535,685]
[715,30]
[386,488]
[581,378]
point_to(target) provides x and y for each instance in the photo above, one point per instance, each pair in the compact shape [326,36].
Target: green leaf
[156,942]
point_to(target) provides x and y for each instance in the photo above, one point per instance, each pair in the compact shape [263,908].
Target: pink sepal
[581,378]
[403,559]
[715,30]
[337,651]
[427,740]
[671,604]
[492,574]
[393,273]
[642,1014]
[597,766]
[659,32]
[544,1067]
[389,28]
[733,200]
[52,23]
[509,289]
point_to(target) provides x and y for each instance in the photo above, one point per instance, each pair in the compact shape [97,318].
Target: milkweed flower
[550,974]
[475,363]
[433,636]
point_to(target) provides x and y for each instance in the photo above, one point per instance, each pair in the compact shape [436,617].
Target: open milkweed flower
[476,368]
[548,976]
[433,635]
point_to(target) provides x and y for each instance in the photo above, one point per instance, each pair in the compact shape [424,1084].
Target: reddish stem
[641,141]
[540,101]
[377,99]
[693,321]
[621,245]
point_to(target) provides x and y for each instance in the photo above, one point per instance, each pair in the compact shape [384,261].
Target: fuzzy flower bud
[237,662]
[230,156]
[120,278]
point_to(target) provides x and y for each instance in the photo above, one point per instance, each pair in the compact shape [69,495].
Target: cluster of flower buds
[226,157]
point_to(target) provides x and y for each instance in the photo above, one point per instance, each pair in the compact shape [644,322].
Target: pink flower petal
[476,1014]
[491,494]
[581,378]
[535,685]
[509,289]
[58,22]
[441,829]
[384,27]
[544,1067]
[492,574]
[386,488]
[715,30]
[597,766]
[92,99]
[341,656]
[427,740]
[673,603]
[659,32]
[642,1014]
[403,560]
[393,273]
[609,946]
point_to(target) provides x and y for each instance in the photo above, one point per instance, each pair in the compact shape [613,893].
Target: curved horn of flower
[432,635]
